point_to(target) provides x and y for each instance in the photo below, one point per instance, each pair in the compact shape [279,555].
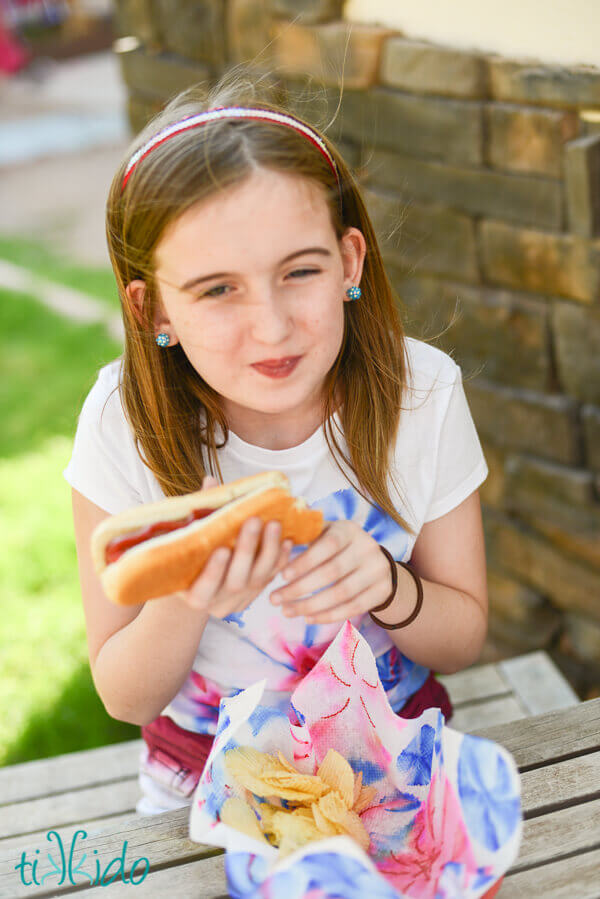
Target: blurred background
[475,132]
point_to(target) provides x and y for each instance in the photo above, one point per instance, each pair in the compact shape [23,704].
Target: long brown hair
[162,393]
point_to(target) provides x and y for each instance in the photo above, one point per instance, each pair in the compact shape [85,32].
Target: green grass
[37,258]
[47,366]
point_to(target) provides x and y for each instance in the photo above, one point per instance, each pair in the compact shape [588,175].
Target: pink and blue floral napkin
[445,822]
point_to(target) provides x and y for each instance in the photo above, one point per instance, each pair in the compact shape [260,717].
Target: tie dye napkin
[445,822]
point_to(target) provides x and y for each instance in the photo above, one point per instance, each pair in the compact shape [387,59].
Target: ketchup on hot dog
[118,545]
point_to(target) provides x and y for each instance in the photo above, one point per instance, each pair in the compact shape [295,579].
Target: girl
[259,322]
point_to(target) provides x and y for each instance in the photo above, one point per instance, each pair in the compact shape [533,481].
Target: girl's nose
[271,317]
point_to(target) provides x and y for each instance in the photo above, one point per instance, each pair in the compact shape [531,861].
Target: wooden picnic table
[558,755]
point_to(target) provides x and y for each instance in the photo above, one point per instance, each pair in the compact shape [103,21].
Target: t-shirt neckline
[261,455]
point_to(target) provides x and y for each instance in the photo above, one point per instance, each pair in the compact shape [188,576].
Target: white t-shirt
[438,462]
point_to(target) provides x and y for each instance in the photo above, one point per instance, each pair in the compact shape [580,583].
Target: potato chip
[325,826]
[301,807]
[357,786]
[365,798]
[354,827]
[300,829]
[303,812]
[266,812]
[334,809]
[287,846]
[298,787]
[258,764]
[335,771]
[285,764]
[237,814]
[246,765]
[265,775]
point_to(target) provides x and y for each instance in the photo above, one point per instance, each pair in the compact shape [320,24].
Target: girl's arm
[139,655]
[449,555]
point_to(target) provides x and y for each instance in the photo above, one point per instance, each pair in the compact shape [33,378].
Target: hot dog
[160,548]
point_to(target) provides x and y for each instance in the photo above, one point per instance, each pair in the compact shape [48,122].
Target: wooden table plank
[203,879]
[553,786]
[70,771]
[564,832]
[500,710]
[67,808]
[92,827]
[163,839]
[538,683]
[477,682]
[569,878]
[548,738]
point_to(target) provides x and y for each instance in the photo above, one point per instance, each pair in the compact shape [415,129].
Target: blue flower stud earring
[354,293]
[163,339]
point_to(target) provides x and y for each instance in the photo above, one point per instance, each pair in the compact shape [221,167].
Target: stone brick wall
[482,175]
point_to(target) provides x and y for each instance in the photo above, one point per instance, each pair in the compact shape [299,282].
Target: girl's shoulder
[104,397]
[429,367]
[107,378]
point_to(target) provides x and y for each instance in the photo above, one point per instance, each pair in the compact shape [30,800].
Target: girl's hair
[161,392]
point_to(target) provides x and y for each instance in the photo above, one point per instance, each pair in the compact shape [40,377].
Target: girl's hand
[347,558]
[231,581]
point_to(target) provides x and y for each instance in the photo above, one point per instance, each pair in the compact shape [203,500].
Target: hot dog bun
[171,562]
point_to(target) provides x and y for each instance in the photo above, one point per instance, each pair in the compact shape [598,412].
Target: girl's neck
[277,432]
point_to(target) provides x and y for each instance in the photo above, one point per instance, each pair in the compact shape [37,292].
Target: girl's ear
[135,291]
[353,248]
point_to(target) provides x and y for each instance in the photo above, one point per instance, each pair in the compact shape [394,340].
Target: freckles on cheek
[222,337]
[315,326]
[211,334]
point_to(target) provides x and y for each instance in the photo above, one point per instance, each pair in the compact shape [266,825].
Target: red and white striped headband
[227,112]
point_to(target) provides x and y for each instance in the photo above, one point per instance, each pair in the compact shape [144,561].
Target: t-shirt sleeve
[460,465]
[102,464]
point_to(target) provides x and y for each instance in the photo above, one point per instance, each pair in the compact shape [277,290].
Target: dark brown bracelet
[384,605]
[390,598]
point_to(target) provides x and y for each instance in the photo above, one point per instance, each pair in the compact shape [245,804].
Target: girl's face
[257,273]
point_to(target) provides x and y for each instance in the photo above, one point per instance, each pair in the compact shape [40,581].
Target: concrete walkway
[63,132]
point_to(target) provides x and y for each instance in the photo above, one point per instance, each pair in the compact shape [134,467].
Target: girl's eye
[215,291]
[300,272]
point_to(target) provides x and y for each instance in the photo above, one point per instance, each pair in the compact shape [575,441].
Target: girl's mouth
[277,371]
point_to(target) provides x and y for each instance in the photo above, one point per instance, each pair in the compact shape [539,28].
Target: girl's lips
[276,363]
[277,371]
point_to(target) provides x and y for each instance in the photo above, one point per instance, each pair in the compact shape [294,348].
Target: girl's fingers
[270,551]
[251,562]
[244,555]
[341,593]
[307,580]
[358,606]
[284,556]
[273,555]
[210,581]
